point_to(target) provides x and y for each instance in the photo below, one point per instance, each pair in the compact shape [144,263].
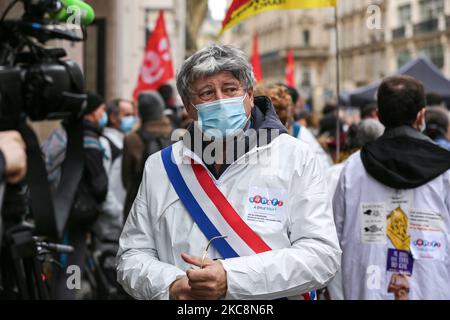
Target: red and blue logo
[265,201]
[421,243]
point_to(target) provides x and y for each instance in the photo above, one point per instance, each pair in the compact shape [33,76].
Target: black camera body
[42,91]
[35,81]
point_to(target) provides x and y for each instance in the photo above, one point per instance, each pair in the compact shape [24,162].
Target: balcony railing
[426,26]
[399,33]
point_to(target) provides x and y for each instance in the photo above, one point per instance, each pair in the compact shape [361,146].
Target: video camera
[37,83]
[34,80]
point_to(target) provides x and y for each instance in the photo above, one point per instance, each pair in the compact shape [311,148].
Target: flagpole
[338,85]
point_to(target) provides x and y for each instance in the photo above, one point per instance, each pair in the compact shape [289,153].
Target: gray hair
[212,60]
[369,130]
[150,106]
[113,106]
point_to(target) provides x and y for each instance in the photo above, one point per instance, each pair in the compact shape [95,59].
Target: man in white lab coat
[268,198]
[392,206]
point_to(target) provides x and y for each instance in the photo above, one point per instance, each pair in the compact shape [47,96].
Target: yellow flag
[243,9]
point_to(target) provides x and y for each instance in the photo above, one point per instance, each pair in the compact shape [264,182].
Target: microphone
[74,9]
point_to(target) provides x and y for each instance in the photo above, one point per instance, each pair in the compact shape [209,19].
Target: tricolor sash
[212,212]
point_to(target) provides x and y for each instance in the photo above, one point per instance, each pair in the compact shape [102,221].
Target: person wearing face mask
[91,192]
[95,178]
[392,205]
[121,121]
[238,203]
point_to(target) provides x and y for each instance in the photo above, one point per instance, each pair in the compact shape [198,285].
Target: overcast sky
[218,9]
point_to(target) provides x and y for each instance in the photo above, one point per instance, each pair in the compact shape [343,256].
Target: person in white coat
[368,130]
[275,186]
[392,206]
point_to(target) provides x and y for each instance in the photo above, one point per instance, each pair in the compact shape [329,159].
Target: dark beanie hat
[150,106]
[94,101]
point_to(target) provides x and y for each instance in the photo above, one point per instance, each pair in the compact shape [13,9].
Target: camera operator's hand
[12,147]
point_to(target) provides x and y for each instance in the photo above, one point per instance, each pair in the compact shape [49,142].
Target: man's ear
[420,120]
[421,115]
[251,96]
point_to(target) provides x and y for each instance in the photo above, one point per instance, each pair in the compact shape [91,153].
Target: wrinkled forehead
[216,80]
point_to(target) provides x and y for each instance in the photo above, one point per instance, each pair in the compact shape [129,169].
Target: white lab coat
[305,254]
[364,265]
[332,175]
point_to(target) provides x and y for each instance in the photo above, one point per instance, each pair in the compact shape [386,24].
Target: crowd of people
[369,222]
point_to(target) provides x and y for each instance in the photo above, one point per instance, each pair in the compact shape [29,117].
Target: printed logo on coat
[266,206]
[266,201]
[428,241]
[373,223]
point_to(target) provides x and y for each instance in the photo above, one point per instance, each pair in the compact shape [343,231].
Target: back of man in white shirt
[392,206]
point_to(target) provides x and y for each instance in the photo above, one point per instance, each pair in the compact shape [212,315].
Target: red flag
[235,5]
[157,66]
[256,61]
[290,69]
[243,9]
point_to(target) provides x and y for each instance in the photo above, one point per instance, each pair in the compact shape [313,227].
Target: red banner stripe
[235,5]
[227,211]
[256,62]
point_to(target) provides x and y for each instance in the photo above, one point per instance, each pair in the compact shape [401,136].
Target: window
[434,52]
[431,9]
[306,77]
[306,38]
[403,57]
[404,15]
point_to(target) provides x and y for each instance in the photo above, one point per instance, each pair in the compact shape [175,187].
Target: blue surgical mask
[103,121]
[127,124]
[222,117]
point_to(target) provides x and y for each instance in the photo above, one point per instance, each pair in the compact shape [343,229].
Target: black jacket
[94,173]
[404,158]
[93,187]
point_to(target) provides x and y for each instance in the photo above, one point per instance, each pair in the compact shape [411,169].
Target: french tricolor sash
[212,212]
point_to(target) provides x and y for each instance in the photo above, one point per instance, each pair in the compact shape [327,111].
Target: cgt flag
[290,69]
[157,66]
[242,9]
[256,62]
